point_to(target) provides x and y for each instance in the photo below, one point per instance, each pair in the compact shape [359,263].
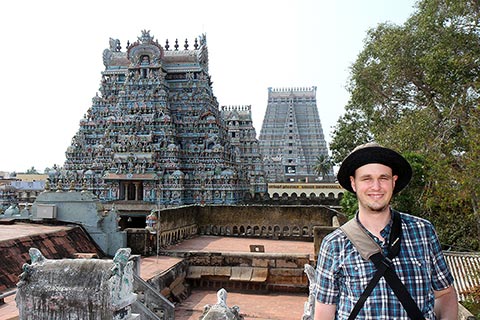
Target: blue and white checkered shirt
[342,274]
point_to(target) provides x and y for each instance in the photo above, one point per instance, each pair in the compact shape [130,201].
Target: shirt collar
[385,233]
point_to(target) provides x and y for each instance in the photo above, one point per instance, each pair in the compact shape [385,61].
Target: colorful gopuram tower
[244,138]
[155,132]
[291,137]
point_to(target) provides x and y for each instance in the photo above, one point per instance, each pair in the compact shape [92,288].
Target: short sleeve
[327,268]
[441,275]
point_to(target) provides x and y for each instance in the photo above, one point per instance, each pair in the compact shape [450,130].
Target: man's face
[374,185]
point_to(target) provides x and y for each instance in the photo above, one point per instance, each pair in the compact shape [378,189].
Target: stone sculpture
[308,308]
[220,310]
[76,288]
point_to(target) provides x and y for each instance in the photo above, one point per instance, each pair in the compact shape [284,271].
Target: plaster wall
[85,209]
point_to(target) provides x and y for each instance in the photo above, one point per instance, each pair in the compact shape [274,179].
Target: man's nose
[376,184]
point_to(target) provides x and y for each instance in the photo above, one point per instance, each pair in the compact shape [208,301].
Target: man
[375,174]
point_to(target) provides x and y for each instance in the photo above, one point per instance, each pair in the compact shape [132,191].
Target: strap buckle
[387,261]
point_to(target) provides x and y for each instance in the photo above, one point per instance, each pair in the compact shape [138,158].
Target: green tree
[323,166]
[349,204]
[351,130]
[415,88]
[32,170]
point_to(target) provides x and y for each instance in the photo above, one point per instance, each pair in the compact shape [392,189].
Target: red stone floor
[275,306]
[231,244]
[9,311]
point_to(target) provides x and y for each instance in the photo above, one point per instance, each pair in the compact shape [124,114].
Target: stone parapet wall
[247,271]
[319,232]
[171,283]
[141,241]
[266,216]
[150,303]
[269,222]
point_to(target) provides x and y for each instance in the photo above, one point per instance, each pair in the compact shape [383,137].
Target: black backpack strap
[369,248]
[403,295]
[368,290]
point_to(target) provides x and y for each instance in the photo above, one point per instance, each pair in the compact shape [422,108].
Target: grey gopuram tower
[291,137]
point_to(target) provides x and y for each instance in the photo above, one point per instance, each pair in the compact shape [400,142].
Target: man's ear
[352,182]
[394,179]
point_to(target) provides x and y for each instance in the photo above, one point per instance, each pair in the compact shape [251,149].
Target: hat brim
[356,159]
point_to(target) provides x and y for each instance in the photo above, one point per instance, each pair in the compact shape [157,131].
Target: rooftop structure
[155,132]
[292,138]
[244,138]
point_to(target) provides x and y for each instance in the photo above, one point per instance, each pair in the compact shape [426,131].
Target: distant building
[8,196]
[155,133]
[27,191]
[20,189]
[244,138]
[292,137]
[32,177]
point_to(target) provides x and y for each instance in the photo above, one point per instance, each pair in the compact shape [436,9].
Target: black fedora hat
[374,153]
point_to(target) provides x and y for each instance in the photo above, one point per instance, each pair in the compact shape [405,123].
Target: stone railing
[264,231]
[141,241]
[159,307]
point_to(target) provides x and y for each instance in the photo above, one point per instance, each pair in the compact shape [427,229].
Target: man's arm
[446,304]
[325,311]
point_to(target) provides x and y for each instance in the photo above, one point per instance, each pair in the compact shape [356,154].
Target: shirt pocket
[415,275]
[356,276]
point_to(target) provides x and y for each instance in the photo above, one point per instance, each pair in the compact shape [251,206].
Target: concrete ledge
[241,273]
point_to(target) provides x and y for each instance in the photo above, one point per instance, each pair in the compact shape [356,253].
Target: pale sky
[51,57]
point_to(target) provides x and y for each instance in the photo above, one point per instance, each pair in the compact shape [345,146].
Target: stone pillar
[136,190]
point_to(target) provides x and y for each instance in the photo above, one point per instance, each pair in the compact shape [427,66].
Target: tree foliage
[323,166]
[349,205]
[415,88]
[32,170]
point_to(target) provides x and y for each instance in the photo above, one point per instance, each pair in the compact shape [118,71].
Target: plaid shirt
[342,274]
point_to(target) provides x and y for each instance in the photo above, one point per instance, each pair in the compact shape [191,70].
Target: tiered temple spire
[292,138]
[244,138]
[155,132]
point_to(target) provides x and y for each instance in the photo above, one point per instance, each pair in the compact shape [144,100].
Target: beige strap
[360,239]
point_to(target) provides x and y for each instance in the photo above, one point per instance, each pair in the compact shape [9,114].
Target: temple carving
[244,138]
[155,133]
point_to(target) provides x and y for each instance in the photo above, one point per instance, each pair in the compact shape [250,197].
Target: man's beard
[378,209]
